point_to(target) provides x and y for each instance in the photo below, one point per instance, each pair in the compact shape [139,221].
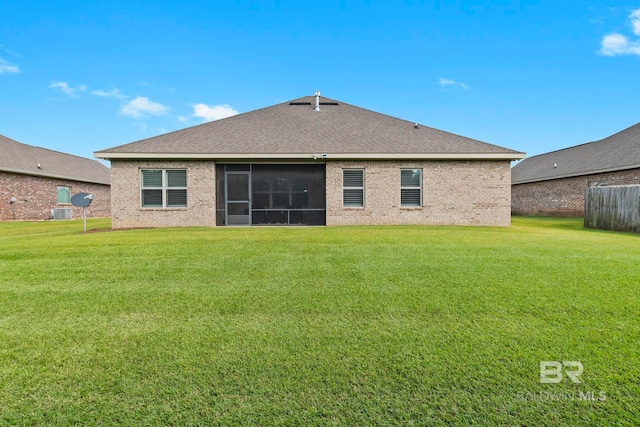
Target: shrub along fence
[615,207]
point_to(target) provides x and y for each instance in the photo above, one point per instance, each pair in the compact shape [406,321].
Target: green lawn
[318,326]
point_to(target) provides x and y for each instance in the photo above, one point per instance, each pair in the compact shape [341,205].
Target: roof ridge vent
[317,101]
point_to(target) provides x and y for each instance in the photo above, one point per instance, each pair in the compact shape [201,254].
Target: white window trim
[411,188]
[354,188]
[165,187]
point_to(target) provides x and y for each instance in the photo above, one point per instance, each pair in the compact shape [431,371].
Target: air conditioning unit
[62,213]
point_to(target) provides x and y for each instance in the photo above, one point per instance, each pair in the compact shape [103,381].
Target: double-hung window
[410,187]
[353,188]
[164,188]
[64,195]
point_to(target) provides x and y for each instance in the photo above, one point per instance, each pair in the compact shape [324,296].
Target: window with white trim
[353,188]
[163,188]
[410,187]
[64,195]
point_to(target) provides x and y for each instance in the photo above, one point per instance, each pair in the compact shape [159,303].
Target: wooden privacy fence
[615,207]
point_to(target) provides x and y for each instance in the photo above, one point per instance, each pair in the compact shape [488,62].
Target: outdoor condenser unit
[62,213]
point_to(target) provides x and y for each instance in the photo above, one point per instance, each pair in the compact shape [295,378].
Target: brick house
[37,183]
[309,161]
[554,183]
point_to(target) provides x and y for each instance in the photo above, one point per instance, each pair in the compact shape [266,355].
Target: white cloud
[618,44]
[141,106]
[213,112]
[448,82]
[113,93]
[8,68]
[65,88]
[635,21]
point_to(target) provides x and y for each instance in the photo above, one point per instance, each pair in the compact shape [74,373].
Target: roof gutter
[321,156]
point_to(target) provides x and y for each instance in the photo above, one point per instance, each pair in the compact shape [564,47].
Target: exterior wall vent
[62,213]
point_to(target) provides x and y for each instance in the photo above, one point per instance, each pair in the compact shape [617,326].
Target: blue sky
[531,75]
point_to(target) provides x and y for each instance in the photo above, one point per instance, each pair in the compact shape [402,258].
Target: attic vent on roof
[328,103]
[299,103]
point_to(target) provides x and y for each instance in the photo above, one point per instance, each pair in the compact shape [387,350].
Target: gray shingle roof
[294,130]
[616,152]
[16,157]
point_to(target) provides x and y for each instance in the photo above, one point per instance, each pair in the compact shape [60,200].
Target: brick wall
[454,192]
[37,196]
[563,197]
[126,207]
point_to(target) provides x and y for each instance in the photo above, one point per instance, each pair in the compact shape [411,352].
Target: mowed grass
[318,326]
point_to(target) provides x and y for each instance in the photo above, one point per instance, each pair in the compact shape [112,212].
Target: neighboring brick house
[309,162]
[37,183]
[554,184]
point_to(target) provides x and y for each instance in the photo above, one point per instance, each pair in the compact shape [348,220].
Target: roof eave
[54,176]
[577,174]
[316,156]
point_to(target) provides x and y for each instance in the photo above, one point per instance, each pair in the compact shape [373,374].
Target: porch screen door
[238,198]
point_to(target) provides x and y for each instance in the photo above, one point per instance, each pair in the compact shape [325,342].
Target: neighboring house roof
[293,130]
[616,152]
[24,159]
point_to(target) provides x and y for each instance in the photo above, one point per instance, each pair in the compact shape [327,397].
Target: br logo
[551,371]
